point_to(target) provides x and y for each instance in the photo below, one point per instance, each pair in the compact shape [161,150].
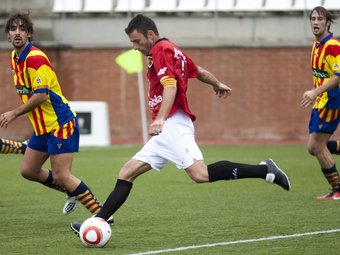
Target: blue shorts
[51,144]
[316,124]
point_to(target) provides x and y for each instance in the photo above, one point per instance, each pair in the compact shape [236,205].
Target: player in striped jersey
[56,133]
[325,97]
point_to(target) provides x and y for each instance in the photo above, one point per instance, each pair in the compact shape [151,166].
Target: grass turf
[167,210]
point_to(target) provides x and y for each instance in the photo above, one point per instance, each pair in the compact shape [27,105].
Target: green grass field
[167,210]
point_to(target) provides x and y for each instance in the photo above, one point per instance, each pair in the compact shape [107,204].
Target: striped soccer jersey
[325,61]
[33,73]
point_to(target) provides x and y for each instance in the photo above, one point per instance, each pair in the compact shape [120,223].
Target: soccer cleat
[334,195]
[276,175]
[70,205]
[110,220]
[75,225]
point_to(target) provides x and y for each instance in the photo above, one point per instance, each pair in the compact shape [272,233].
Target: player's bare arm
[33,102]
[220,89]
[310,95]
[169,95]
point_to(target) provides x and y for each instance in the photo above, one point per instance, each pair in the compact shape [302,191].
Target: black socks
[116,198]
[226,170]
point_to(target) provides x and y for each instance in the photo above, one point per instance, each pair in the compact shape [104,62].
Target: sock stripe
[91,204]
[9,146]
[85,202]
[83,196]
[332,176]
[93,207]
[89,201]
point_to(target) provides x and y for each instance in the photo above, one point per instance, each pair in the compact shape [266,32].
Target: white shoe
[70,205]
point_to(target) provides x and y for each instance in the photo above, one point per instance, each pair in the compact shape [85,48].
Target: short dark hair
[26,20]
[142,24]
[325,13]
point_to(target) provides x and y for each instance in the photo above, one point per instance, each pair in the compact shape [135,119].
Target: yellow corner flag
[131,61]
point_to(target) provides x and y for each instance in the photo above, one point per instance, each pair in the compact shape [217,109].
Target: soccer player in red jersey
[325,97]
[172,130]
[56,133]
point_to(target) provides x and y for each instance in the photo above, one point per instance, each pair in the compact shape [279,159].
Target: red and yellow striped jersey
[33,73]
[325,61]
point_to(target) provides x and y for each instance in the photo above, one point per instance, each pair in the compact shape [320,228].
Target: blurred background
[260,48]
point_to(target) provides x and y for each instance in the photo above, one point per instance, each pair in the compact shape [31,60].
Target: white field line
[238,242]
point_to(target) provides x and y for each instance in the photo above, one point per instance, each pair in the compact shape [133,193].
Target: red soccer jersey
[167,60]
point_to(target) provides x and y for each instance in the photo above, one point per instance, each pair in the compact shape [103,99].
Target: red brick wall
[267,86]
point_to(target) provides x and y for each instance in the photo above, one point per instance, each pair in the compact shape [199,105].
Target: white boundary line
[238,242]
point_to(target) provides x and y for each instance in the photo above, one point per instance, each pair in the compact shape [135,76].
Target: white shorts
[176,144]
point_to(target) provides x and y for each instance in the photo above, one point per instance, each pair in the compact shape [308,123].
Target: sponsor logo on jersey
[335,67]
[320,74]
[22,90]
[162,71]
[155,101]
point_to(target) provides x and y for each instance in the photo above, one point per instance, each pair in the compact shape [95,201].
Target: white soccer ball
[95,232]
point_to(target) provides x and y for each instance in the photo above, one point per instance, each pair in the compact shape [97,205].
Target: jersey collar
[24,54]
[324,40]
[160,39]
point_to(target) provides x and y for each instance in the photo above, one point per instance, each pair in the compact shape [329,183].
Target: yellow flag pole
[142,106]
[131,61]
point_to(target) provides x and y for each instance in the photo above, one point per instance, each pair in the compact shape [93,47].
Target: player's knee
[197,177]
[313,149]
[310,151]
[27,173]
[198,172]
[127,174]
[198,180]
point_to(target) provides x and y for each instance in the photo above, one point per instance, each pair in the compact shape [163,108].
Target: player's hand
[222,90]
[308,98]
[6,118]
[156,127]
